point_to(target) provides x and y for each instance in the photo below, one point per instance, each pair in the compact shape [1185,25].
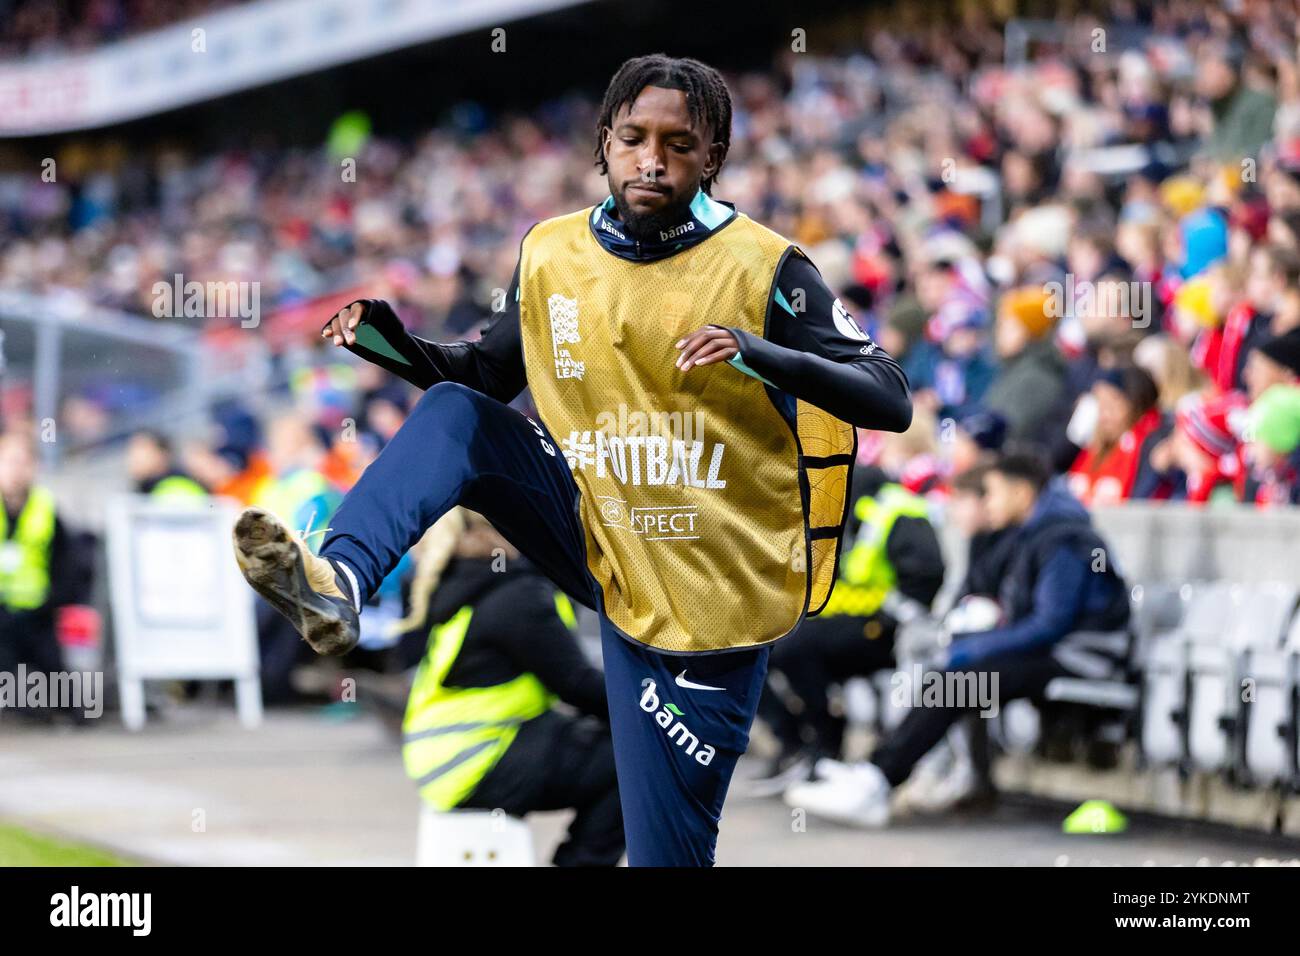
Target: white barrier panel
[181,609]
[1179,543]
[1242,544]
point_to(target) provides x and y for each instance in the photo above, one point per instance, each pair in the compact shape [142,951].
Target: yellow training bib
[704,511]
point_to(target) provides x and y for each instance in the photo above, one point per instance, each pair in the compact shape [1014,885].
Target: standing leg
[680,723]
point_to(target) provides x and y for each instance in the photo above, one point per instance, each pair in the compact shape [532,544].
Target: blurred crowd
[1095,250]
[40,27]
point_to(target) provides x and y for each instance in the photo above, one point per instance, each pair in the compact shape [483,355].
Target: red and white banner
[227,51]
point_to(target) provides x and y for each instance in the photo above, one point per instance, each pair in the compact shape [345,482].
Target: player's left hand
[706,346]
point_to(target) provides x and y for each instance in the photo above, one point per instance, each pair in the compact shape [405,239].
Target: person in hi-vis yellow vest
[686,473]
[892,571]
[39,572]
[482,729]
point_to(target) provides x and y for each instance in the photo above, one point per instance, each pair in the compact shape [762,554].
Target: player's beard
[646,226]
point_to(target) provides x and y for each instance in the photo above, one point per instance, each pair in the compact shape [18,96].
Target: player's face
[656,156]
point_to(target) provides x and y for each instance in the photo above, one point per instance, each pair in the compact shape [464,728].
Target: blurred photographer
[481,729]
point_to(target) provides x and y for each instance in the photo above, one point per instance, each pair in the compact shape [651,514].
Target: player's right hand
[341,329]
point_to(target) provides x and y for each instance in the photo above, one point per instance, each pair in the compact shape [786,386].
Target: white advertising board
[181,609]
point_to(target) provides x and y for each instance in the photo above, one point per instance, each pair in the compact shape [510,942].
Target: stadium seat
[1156,606]
[1101,682]
[1259,614]
[1018,727]
[1269,716]
[1164,665]
[1108,694]
[472,838]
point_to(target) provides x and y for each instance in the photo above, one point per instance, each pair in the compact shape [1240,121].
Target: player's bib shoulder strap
[757,251]
[559,226]
[797,252]
[549,238]
[747,230]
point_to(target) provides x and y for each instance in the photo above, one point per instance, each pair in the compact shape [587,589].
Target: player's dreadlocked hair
[707,98]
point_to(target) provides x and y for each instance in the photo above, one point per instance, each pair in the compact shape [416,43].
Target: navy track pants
[679,723]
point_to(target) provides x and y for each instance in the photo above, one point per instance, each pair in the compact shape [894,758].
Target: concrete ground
[326,787]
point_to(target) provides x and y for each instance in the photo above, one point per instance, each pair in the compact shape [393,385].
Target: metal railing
[148,373]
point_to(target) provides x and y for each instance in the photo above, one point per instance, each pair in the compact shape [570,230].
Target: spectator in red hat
[1205,447]
[1250,217]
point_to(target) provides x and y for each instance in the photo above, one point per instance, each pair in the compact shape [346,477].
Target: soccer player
[697,386]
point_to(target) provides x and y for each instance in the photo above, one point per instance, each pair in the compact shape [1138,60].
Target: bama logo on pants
[667,716]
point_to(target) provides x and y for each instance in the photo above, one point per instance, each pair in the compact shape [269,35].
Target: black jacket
[1060,579]
[515,630]
[988,555]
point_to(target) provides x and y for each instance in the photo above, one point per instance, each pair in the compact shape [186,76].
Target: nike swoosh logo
[691,685]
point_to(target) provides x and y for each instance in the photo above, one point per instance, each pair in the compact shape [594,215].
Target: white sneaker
[938,793]
[828,769]
[927,776]
[775,784]
[943,777]
[857,795]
